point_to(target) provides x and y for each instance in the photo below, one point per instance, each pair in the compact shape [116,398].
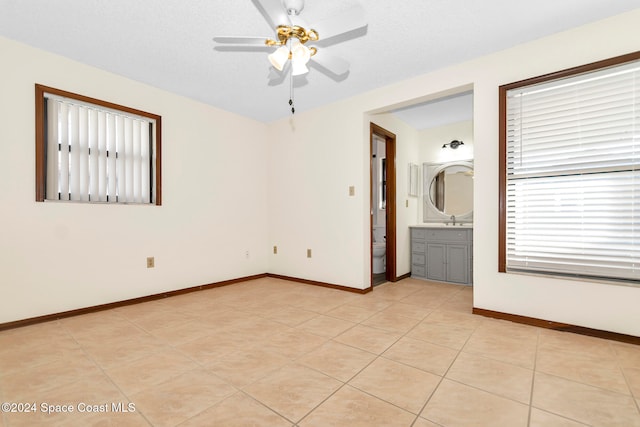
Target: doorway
[382,184]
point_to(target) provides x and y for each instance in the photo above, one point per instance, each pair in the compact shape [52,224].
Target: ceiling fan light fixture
[279,57]
[298,68]
[299,52]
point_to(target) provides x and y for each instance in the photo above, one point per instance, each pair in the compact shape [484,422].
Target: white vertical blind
[573,175]
[96,155]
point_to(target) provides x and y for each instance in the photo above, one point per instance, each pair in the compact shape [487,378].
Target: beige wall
[342,233]
[231,184]
[61,256]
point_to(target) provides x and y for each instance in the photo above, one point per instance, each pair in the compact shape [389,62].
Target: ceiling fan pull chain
[293,109]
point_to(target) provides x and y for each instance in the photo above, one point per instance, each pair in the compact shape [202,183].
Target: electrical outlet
[246,254]
[275,250]
[352,190]
[308,253]
[151,262]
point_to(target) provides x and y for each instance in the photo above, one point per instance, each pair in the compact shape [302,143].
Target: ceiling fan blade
[334,64]
[253,41]
[349,20]
[273,11]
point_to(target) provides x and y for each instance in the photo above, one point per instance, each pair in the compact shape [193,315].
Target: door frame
[390,153]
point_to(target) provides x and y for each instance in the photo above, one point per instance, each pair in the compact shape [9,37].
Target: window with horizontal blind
[89,150]
[570,172]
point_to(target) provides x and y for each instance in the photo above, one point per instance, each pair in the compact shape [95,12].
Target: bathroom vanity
[442,253]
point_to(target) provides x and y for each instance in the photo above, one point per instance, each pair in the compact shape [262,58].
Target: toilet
[379,250]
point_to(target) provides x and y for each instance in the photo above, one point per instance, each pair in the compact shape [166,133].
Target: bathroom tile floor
[270,352]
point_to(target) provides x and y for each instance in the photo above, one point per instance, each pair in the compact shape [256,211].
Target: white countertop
[442,225]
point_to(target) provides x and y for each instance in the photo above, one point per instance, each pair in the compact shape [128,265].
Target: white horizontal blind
[573,175]
[98,155]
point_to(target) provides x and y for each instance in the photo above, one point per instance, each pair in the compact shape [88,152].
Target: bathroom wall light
[453,144]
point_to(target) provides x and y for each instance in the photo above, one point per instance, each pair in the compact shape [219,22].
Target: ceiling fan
[292,34]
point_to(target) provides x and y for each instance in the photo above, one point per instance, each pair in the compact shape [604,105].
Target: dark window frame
[40,140]
[502,136]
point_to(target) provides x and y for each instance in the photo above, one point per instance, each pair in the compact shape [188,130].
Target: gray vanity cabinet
[442,254]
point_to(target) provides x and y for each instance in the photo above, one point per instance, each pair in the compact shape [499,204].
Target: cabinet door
[436,258]
[458,263]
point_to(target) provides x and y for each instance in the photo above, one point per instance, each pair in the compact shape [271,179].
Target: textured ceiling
[168,43]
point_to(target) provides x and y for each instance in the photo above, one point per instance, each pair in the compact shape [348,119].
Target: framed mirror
[448,191]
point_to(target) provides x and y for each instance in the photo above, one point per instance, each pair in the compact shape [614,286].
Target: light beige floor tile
[407,310]
[204,345]
[452,318]
[396,291]
[421,422]
[598,371]
[401,385]
[32,336]
[163,319]
[541,418]
[633,379]
[88,391]
[352,313]
[350,407]
[461,302]
[238,410]
[584,403]
[337,360]
[293,391]
[93,323]
[628,354]
[15,359]
[208,349]
[391,322]
[150,371]
[326,326]
[369,339]
[432,297]
[320,305]
[181,333]
[181,397]
[244,367]
[504,347]
[372,302]
[503,379]
[447,335]
[422,355]
[576,344]
[455,404]
[291,316]
[293,343]
[119,352]
[80,419]
[37,380]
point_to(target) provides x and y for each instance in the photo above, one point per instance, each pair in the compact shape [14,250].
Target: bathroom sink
[445,225]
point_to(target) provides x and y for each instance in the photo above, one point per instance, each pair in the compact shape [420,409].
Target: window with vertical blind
[570,172]
[89,150]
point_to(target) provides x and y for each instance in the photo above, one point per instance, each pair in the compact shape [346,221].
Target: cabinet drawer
[418,233]
[418,259]
[418,270]
[417,246]
[445,235]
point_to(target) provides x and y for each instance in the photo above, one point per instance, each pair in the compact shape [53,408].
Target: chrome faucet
[453,218]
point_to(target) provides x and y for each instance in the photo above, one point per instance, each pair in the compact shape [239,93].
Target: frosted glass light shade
[299,52]
[279,57]
[298,68]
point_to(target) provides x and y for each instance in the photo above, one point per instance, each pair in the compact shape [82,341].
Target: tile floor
[276,353]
